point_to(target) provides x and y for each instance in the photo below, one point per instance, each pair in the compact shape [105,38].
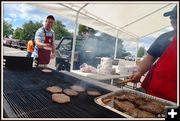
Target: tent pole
[74,36]
[137,47]
[116,45]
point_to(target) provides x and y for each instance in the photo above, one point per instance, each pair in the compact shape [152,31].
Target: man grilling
[161,80]
[44,43]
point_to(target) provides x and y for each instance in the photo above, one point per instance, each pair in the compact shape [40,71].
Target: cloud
[13,15]
[9,20]
[17,14]
[70,30]
[130,46]
[23,11]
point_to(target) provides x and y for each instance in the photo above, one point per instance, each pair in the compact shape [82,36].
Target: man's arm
[53,48]
[38,41]
[142,68]
[40,44]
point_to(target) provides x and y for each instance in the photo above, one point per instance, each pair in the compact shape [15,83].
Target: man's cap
[173,12]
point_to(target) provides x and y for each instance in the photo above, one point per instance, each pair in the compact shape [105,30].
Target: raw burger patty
[60,98]
[93,93]
[77,88]
[46,70]
[70,92]
[54,89]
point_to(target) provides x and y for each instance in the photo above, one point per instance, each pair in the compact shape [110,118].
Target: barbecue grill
[25,92]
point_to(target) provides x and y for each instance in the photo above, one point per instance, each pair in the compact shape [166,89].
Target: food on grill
[60,98]
[108,99]
[137,113]
[77,88]
[140,101]
[135,105]
[70,92]
[54,89]
[126,96]
[46,70]
[93,93]
[123,105]
[153,107]
[145,114]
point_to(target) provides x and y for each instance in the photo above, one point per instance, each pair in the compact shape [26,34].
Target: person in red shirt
[161,64]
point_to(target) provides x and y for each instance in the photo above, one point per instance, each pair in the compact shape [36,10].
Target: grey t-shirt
[160,44]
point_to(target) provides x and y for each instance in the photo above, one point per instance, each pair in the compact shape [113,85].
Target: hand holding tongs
[125,81]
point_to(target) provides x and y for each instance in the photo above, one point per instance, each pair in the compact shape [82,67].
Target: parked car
[63,53]
[22,44]
[88,50]
[130,58]
[7,42]
[14,43]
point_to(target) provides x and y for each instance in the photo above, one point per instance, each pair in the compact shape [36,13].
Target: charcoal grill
[25,92]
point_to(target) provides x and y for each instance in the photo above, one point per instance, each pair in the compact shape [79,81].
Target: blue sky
[18,14]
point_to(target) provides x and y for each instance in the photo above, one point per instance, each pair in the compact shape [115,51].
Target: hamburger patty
[54,89]
[70,92]
[60,98]
[77,88]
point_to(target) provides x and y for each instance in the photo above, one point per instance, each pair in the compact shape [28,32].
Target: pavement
[9,51]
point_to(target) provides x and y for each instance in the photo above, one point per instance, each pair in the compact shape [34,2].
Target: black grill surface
[25,92]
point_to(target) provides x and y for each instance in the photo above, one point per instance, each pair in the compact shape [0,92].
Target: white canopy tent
[125,20]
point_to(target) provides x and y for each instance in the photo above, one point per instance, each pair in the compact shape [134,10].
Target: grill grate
[26,94]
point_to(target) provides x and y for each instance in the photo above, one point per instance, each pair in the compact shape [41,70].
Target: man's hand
[47,46]
[135,77]
[53,55]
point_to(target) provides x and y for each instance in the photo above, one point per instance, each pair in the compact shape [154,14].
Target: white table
[100,77]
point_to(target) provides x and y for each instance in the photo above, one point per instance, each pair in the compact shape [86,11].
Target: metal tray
[99,99]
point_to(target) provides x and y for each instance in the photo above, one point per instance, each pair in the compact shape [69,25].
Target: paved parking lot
[17,52]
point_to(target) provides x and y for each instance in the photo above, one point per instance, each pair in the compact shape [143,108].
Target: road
[8,51]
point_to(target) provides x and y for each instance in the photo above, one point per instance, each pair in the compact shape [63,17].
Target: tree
[60,30]
[141,52]
[84,29]
[7,29]
[18,33]
[27,31]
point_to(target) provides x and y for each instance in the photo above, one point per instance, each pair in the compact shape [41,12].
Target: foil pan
[99,100]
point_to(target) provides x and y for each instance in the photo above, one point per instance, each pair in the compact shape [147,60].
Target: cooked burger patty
[153,107]
[77,88]
[60,98]
[70,92]
[54,89]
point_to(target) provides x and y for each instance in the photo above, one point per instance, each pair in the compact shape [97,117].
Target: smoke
[94,47]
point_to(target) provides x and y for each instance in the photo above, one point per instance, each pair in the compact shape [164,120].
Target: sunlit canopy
[132,19]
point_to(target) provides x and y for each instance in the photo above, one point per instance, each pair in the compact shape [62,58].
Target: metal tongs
[122,83]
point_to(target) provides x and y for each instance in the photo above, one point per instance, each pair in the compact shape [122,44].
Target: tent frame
[75,33]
